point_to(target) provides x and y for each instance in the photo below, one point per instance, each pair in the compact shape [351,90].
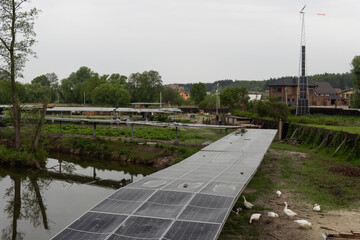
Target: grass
[349,129]
[140,132]
[303,173]
[349,124]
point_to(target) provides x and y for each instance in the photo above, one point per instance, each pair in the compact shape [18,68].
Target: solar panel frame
[196,194]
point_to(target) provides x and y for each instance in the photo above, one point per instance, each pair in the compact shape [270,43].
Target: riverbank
[153,149]
[304,177]
[140,152]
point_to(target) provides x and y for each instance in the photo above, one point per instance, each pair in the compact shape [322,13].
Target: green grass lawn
[349,124]
[349,129]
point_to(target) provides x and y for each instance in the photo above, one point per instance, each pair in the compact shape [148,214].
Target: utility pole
[217,99]
[160,99]
[302,105]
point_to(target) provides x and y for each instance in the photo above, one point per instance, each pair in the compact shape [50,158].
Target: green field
[140,132]
[348,124]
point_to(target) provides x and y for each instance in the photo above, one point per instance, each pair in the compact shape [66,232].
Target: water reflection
[37,205]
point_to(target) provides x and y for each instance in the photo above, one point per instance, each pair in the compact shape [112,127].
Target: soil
[286,229]
[346,171]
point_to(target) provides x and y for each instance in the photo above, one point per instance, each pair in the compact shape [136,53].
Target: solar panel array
[104,109]
[189,200]
[143,123]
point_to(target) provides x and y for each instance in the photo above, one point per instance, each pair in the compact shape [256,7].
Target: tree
[355,101]
[17,36]
[208,102]
[145,87]
[36,93]
[41,80]
[198,92]
[110,94]
[117,78]
[171,96]
[235,98]
[73,87]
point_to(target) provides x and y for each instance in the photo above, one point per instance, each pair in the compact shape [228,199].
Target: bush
[23,158]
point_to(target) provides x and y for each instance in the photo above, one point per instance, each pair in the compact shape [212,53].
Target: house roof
[337,90]
[288,82]
[324,88]
[335,97]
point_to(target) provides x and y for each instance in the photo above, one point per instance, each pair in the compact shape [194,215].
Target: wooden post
[294,133]
[60,127]
[176,136]
[280,129]
[94,134]
[339,146]
[94,173]
[325,139]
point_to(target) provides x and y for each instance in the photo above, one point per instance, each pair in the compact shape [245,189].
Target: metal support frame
[132,131]
[176,135]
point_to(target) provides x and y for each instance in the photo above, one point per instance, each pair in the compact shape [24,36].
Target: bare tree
[17,36]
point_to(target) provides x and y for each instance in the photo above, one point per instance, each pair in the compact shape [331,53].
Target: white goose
[255,217]
[303,224]
[247,204]
[278,193]
[272,215]
[289,212]
[316,207]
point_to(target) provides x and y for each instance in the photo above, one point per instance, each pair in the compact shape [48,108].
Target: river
[38,205]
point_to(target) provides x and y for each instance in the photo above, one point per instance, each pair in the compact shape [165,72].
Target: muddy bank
[146,153]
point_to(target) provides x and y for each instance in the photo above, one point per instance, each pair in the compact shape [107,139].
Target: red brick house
[319,93]
[325,95]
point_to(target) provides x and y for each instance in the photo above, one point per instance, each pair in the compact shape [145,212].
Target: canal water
[38,205]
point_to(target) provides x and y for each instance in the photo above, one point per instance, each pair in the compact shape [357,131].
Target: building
[319,93]
[285,90]
[347,94]
[185,95]
[326,95]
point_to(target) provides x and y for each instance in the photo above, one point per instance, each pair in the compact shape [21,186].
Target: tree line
[337,80]
[86,86]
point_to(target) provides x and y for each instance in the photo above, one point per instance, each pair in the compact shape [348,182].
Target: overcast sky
[193,40]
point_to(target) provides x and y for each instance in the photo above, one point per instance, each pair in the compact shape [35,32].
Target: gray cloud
[191,41]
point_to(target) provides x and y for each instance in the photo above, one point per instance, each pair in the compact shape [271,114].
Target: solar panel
[183,230]
[189,200]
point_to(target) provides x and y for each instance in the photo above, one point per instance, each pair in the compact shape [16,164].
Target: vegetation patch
[22,158]
[350,124]
[304,177]
[155,133]
[159,155]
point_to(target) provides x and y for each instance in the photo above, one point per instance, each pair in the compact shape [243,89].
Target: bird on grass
[278,193]
[254,217]
[289,212]
[303,224]
[316,207]
[236,210]
[247,204]
[272,215]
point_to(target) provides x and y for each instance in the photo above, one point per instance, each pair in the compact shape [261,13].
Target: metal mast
[302,106]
